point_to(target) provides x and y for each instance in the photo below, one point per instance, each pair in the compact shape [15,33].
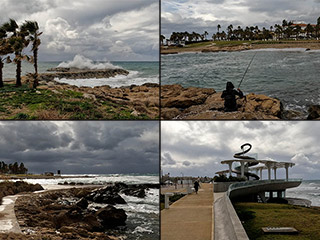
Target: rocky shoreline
[12,188]
[75,73]
[312,45]
[77,213]
[178,102]
[54,100]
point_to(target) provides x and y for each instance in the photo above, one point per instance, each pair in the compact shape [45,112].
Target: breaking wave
[82,62]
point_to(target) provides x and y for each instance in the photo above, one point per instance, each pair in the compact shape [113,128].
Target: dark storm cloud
[82,147]
[205,144]
[166,159]
[101,30]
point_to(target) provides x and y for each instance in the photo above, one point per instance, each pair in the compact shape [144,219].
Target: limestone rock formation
[74,73]
[314,112]
[11,188]
[201,103]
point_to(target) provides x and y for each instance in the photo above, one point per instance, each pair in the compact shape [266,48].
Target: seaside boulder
[107,195]
[82,203]
[111,216]
[202,103]
[314,112]
[140,193]
[178,97]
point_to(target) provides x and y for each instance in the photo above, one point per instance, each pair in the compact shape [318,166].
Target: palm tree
[162,38]
[218,27]
[309,30]
[205,34]
[17,42]
[11,27]
[32,28]
[230,27]
[4,50]
[297,31]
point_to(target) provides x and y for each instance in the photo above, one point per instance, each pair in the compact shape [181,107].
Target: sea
[291,75]
[143,214]
[308,189]
[139,72]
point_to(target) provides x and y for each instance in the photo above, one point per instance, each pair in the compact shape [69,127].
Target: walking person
[196,186]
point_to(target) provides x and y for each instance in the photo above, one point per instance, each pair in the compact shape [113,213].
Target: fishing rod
[247,70]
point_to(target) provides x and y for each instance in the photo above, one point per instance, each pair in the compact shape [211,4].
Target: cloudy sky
[98,29]
[205,15]
[82,147]
[196,148]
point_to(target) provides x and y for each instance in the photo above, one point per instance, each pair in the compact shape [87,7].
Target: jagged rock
[169,113]
[140,193]
[11,188]
[112,217]
[201,103]
[178,97]
[82,203]
[314,112]
[89,96]
[106,195]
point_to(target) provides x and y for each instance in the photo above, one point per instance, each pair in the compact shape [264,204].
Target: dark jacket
[230,103]
[229,95]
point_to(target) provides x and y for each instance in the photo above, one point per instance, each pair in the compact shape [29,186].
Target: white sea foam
[140,229]
[82,62]
[117,81]
[98,179]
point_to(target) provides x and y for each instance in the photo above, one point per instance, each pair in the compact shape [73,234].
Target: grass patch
[257,215]
[26,104]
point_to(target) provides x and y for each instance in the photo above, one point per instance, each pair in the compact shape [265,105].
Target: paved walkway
[191,217]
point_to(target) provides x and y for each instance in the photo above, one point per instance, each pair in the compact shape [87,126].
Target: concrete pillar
[275,173]
[230,168]
[260,173]
[189,190]
[269,172]
[287,171]
[242,169]
[166,199]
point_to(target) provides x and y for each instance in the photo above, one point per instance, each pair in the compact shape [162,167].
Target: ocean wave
[82,62]
[133,77]
[140,229]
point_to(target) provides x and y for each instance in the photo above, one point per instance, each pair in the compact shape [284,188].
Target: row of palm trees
[185,36]
[13,40]
[284,31]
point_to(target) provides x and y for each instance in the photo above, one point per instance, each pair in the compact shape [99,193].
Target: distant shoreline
[231,46]
[15,177]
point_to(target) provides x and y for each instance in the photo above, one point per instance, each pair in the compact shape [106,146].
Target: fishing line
[247,70]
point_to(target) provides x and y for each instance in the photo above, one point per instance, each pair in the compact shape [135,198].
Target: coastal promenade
[190,218]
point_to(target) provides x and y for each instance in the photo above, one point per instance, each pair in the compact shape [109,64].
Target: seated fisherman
[229,95]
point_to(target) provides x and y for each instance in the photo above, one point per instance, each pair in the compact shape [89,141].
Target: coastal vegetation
[257,215]
[27,104]
[14,168]
[13,40]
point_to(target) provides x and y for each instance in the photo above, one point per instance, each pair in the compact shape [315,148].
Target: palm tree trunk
[1,67]
[18,74]
[35,56]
